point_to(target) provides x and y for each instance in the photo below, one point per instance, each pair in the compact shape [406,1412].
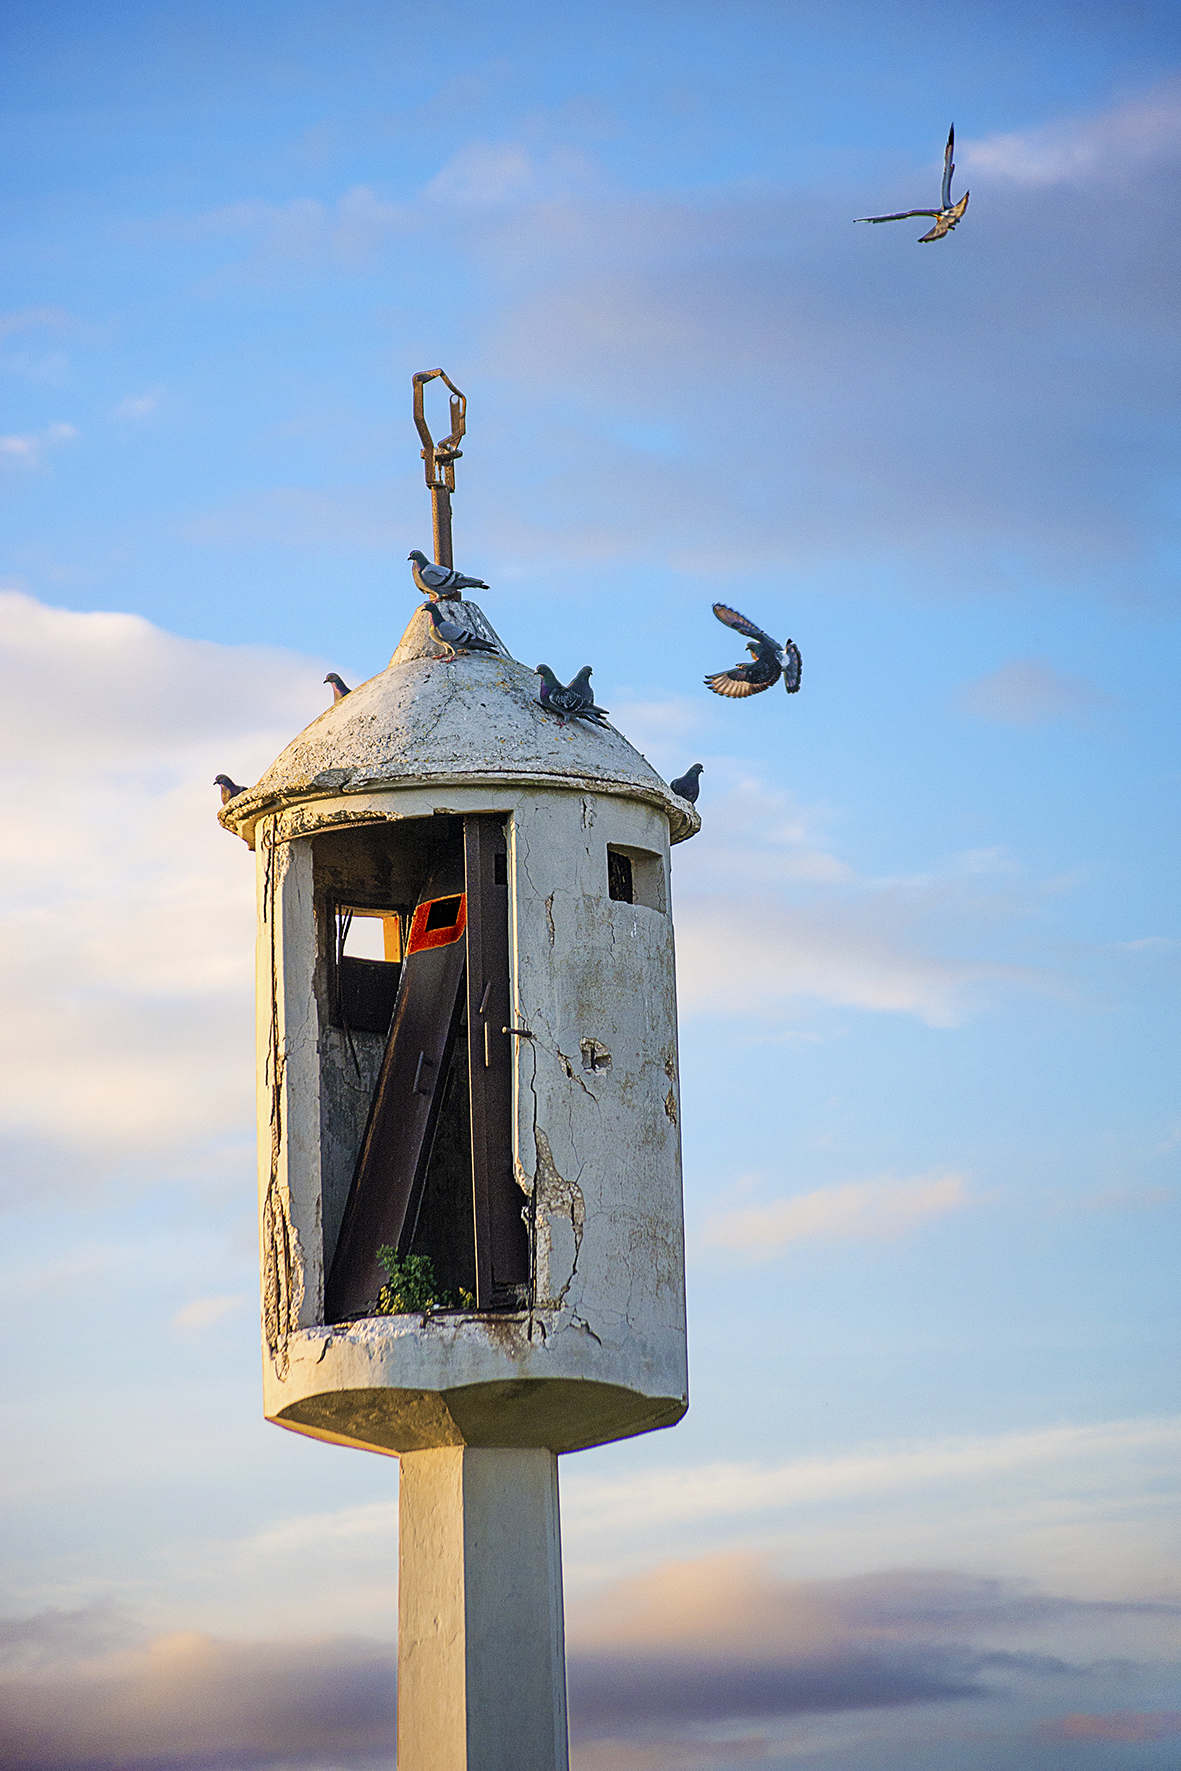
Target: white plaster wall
[602,1353]
[288,1095]
[602,1146]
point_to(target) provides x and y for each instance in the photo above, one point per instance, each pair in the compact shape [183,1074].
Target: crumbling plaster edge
[542,1328]
[242,815]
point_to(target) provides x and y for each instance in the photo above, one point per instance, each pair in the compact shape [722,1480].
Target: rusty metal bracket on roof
[440,458]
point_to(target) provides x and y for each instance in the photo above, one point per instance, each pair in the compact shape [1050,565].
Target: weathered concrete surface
[481,1651]
[601,1352]
[427,719]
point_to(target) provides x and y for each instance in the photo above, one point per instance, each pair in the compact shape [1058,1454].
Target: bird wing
[435,576]
[946,221]
[903,215]
[792,666]
[734,684]
[732,618]
[948,168]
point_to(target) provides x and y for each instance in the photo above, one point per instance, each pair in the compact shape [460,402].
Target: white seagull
[948,215]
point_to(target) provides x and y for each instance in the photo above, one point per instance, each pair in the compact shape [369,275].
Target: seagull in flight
[770,660]
[948,215]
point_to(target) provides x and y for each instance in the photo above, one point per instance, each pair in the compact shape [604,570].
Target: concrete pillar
[481,1642]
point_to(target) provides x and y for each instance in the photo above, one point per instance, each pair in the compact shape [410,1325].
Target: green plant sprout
[411,1289]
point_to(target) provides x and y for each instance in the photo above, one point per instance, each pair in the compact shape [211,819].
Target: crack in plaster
[573,1075]
[561,1198]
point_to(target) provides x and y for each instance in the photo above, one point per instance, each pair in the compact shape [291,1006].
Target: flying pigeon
[688,785]
[575,701]
[770,661]
[454,638]
[339,687]
[948,215]
[229,789]
[440,582]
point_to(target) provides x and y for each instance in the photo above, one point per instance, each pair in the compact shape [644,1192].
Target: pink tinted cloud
[1134,1726]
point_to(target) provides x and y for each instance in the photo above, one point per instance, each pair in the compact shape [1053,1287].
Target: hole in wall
[636,876]
[416,1122]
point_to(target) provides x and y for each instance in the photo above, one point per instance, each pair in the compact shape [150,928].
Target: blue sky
[923,1508]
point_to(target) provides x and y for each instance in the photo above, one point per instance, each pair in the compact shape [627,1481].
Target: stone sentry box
[517,1120]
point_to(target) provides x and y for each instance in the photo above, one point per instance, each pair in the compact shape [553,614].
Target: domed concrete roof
[426,719]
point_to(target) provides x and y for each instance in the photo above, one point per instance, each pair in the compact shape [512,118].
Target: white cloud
[136,406]
[494,175]
[29,449]
[361,517]
[29,319]
[855,1211]
[1030,692]
[481,175]
[302,233]
[846,954]
[126,912]
[50,367]
[203,1313]
[810,927]
[714,1491]
[1104,148]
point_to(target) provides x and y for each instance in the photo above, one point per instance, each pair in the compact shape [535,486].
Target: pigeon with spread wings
[770,660]
[948,214]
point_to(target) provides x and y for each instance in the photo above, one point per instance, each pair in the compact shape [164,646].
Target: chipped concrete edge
[300,816]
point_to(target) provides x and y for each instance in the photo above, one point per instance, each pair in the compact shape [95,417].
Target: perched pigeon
[229,789]
[575,701]
[339,687]
[771,660]
[453,637]
[440,581]
[581,686]
[948,215]
[688,785]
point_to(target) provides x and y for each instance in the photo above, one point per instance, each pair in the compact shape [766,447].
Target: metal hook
[440,458]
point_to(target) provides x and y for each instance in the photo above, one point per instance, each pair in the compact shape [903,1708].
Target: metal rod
[441,511]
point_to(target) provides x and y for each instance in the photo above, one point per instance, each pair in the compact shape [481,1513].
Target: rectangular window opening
[619,877]
[367,955]
[433,1169]
[443,913]
[636,876]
